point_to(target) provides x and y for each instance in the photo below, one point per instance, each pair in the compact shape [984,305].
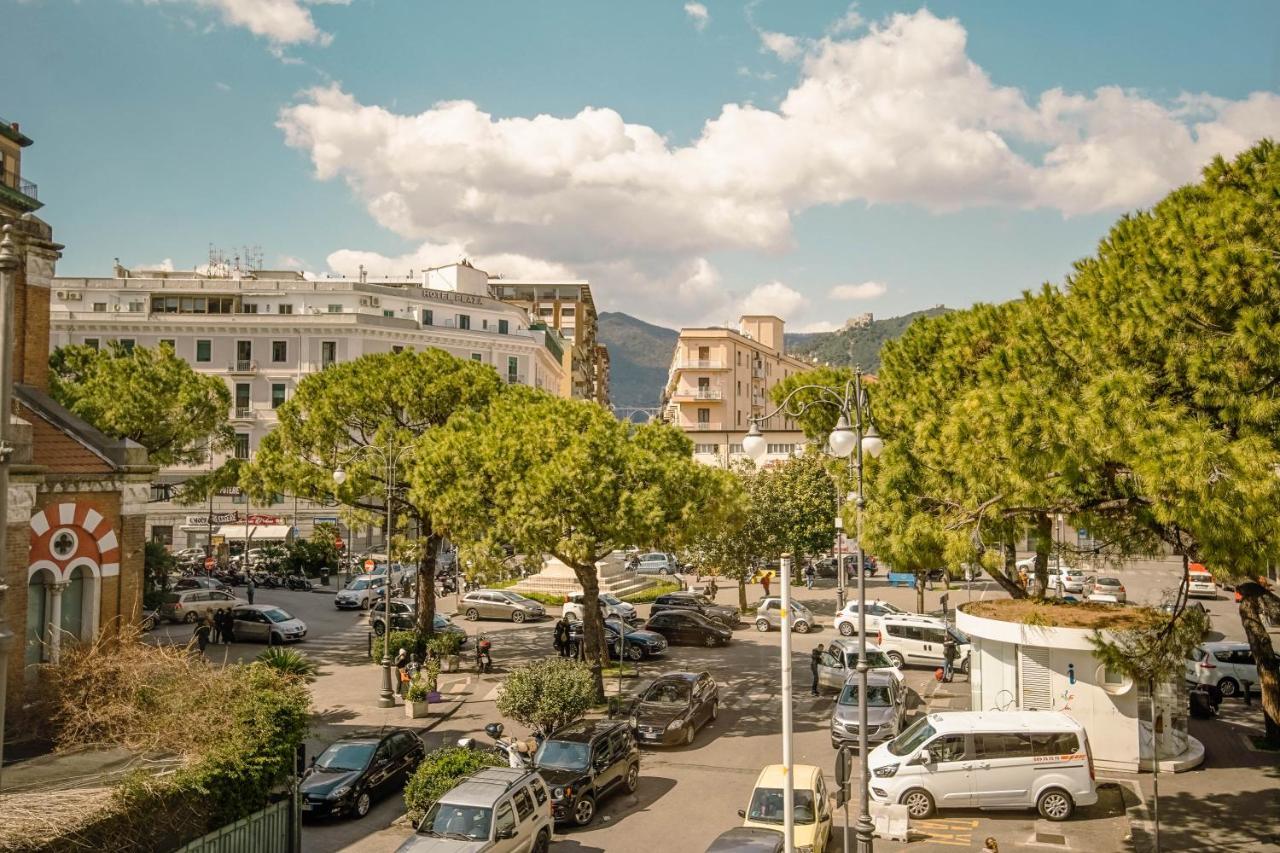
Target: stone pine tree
[378,401]
[565,478]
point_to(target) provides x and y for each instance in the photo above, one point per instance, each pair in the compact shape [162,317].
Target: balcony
[757,372]
[700,393]
[700,364]
[243,366]
[515,378]
[19,193]
[703,426]
[244,413]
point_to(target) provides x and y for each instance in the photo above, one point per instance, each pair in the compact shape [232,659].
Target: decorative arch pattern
[66,535]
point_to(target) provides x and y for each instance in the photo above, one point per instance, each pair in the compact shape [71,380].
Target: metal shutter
[1034,688]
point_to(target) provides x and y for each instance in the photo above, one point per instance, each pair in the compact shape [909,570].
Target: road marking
[492,695]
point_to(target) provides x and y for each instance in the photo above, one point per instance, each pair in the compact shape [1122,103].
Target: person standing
[250,588]
[809,575]
[402,663]
[815,658]
[562,636]
[228,627]
[215,631]
[764,582]
[203,628]
[949,655]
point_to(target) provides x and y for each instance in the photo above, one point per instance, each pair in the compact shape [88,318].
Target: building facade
[263,332]
[720,380]
[568,308]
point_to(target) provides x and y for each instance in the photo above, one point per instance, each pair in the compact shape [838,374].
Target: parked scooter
[298,582]
[518,753]
[484,660]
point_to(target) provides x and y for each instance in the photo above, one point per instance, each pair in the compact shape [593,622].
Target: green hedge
[439,772]
[646,595]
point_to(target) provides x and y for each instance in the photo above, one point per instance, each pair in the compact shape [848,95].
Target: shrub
[439,772]
[647,595]
[548,693]
[418,690]
[408,640]
[442,645]
[289,663]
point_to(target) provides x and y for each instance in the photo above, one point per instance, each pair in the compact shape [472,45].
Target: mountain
[640,352]
[639,357]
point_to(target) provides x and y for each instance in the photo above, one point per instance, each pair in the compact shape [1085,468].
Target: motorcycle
[518,753]
[484,660]
[271,581]
[298,582]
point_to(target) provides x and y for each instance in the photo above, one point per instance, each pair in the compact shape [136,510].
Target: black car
[691,601]
[674,707]
[640,644]
[193,582]
[583,763]
[687,627]
[748,839]
[404,618]
[355,770]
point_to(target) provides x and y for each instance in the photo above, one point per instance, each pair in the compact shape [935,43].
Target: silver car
[769,615]
[500,604]
[656,563]
[362,591]
[886,709]
[497,810]
[841,657]
[189,605]
[266,623]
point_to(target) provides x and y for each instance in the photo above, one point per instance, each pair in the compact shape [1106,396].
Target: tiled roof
[66,444]
[58,451]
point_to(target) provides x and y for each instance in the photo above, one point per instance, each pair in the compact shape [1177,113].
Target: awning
[255,532]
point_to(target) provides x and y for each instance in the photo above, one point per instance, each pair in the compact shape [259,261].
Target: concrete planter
[417,710]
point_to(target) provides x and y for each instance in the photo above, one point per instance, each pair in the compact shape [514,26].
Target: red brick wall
[15,602]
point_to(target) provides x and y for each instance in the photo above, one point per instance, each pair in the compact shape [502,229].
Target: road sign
[339,544]
[210,562]
[368,565]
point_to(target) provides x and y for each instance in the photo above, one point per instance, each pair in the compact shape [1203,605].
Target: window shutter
[1033,679]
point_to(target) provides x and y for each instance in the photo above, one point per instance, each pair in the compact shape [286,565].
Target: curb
[1141,826]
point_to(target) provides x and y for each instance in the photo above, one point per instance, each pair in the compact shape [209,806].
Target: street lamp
[853,439]
[390,457]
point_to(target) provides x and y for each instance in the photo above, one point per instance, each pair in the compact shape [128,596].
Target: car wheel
[897,659]
[689,733]
[715,710]
[364,604]
[191,617]
[964,667]
[275,639]
[846,629]
[802,627]
[542,844]
[1055,804]
[1229,686]
[583,811]
[472,614]
[633,778]
[762,625]
[362,804]
[379,629]
[517,617]
[918,802]
[710,640]
[634,653]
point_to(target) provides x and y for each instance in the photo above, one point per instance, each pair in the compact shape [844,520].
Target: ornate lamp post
[390,457]
[855,434]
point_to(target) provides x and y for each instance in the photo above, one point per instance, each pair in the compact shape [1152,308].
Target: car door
[773,612]
[526,818]
[1003,769]
[690,630]
[831,671]
[931,644]
[824,816]
[950,776]
[506,831]
[661,624]
[406,758]
[382,769]
[602,762]
[1245,667]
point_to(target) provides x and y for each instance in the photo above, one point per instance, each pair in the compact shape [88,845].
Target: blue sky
[813,159]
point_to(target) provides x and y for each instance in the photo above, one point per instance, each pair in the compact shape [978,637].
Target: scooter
[484,661]
[298,582]
[518,753]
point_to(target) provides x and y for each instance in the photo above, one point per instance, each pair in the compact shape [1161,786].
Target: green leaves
[439,772]
[547,694]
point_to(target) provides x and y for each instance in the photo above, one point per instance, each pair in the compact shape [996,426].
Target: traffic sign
[339,544]
[368,565]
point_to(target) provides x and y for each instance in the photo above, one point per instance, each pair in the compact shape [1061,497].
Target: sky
[694,161]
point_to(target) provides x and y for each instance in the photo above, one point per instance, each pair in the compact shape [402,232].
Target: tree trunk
[742,593]
[1255,602]
[426,614]
[1044,544]
[921,577]
[1005,578]
[597,654]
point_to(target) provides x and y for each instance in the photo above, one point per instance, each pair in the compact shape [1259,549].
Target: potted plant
[417,699]
[430,673]
[444,647]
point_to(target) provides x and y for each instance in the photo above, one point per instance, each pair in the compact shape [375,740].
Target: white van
[987,760]
[912,639]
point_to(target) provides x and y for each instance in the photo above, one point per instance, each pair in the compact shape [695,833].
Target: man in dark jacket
[949,655]
[562,637]
[815,658]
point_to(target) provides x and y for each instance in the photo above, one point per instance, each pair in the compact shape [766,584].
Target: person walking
[562,636]
[949,655]
[809,575]
[764,582]
[815,658]
[228,627]
[250,589]
[402,663]
[203,628]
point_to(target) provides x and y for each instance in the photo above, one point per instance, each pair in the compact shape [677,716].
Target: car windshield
[441,622]
[346,756]
[562,755]
[910,740]
[514,596]
[766,806]
[611,600]
[879,660]
[668,693]
[275,614]
[959,636]
[877,695]
[1108,582]
[448,821]
[359,584]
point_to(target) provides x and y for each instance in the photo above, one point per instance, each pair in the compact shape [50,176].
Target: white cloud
[850,21]
[866,290]
[222,87]
[785,47]
[698,14]
[897,114]
[282,22]
[773,298]
[163,266]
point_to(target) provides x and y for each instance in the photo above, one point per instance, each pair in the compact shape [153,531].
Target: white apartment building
[720,380]
[263,331]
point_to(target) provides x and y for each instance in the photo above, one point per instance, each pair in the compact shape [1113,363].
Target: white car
[610,605]
[1201,585]
[1072,581]
[920,641]
[847,619]
[1226,665]
[1109,590]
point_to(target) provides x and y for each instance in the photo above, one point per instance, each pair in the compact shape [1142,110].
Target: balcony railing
[704,426]
[244,413]
[700,364]
[698,394]
[515,378]
[242,365]
[29,189]
[757,372]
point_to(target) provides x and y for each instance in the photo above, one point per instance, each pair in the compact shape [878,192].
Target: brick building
[76,501]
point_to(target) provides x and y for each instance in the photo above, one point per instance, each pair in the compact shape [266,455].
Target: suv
[769,615]
[610,606]
[585,762]
[362,591]
[498,810]
[1226,665]
[188,605]
[656,563]
[726,616]
[918,640]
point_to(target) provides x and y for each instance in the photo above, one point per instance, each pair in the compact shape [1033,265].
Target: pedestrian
[928,576]
[949,655]
[809,575]
[580,647]
[712,589]
[990,846]
[562,636]
[402,663]
[228,627]
[216,628]
[250,589]
[203,628]
[815,658]
[764,582]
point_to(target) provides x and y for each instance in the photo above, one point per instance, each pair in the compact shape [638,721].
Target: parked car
[360,593]
[1226,665]
[841,657]
[673,707]
[500,604]
[496,810]
[380,570]
[886,709]
[1107,590]
[656,563]
[357,769]
[583,763]
[188,605]
[266,623]
[639,643]
[1028,759]
[769,615]
[919,640]
[847,618]
[189,554]
[1072,581]
[748,839]
[1201,585]
[687,627]
[404,617]
[201,582]
[149,620]
[697,603]
[610,605]
[811,809]
[1192,606]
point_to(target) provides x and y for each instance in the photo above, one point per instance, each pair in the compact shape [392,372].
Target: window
[99,307]
[524,803]
[513,368]
[328,353]
[505,822]
[242,445]
[739,417]
[1001,745]
[704,416]
[1058,743]
[137,306]
[546,311]
[539,791]
[387,312]
[397,349]
[91,342]
[504,327]
[204,351]
[706,448]
[244,354]
[127,344]
[475,356]
[739,365]
[162,534]
[170,343]
[242,396]
[428,317]
[279,351]
[284,308]
[277,394]
[948,748]
[566,311]
[781,449]
[484,324]
[335,309]
[736,448]
[249,308]
[464,321]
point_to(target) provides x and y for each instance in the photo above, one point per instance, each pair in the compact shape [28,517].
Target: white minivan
[986,760]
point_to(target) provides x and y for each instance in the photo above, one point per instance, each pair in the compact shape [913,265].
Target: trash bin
[1201,707]
[324,576]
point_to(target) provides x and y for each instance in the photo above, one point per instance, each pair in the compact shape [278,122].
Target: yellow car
[812,811]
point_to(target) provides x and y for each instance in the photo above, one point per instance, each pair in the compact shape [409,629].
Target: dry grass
[1051,613]
[49,814]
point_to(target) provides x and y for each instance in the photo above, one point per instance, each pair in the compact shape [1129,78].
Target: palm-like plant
[289,663]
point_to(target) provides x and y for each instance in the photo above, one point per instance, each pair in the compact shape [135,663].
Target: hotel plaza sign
[451,296]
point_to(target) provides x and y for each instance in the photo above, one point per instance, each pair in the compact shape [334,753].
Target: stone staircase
[558,579]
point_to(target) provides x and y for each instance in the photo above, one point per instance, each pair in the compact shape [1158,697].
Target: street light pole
[788,783]
[865,828]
